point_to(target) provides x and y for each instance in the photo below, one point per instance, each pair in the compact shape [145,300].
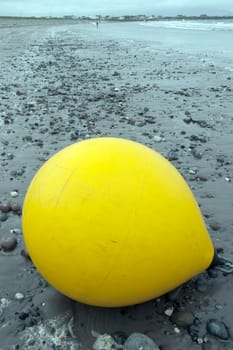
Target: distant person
[97,24]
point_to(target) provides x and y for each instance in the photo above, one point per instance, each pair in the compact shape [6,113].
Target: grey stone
[139,341]
[218,329]
[9,244]
[3,217]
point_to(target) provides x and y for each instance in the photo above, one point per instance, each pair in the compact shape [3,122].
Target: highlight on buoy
[110,222]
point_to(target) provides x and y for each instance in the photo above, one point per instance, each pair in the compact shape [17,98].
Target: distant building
[141,17]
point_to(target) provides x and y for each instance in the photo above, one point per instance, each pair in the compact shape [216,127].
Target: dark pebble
[215,226]
[182,318]
[23,315]
[15,207]
[197,321]
[3,217]
[202,178]
[218,329]
[172,155]
[119,337]
[220,159]
[219,250]
[5,207]
[193,331]
[9,244]
[116,74]
[202,123]
[196,154]
[187,120]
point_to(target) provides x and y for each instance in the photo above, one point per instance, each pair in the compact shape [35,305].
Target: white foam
[204,25]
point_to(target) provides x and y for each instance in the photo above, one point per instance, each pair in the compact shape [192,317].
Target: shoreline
[62,84]
[127,18]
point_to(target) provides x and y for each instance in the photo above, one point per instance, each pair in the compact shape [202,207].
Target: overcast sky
[120,7]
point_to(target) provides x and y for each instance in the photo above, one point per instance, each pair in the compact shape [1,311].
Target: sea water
[197,35]
[211,39]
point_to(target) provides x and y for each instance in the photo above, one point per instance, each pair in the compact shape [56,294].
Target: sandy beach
[64,82]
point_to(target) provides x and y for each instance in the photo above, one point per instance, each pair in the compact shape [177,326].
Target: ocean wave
[204,25]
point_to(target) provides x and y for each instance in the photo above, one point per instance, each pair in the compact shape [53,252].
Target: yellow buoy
[110,222]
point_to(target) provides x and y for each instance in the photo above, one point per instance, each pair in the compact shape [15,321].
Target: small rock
[192,171]
[23,315]
[202,123]
[3,217]
[3,304]
[218,329]
[5,142]
[15,207]
[27,138]
[193,332]
[17,231]
[157,138]
[172,155]
[169,311]
[200,340]
[215,226]
[139,341]
[103,342]
[219,249]
[196,154]
[119,337]
[9,244]
[19,296]
[202,178]
[220,158]
[182,318]
[187,120]
[218,307]
[10,156]
[176,330]
[5,207]
[14,193]
[116,74]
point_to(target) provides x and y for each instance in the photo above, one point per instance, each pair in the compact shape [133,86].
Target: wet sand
[64,83]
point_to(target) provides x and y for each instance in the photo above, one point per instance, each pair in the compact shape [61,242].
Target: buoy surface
[110,222]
